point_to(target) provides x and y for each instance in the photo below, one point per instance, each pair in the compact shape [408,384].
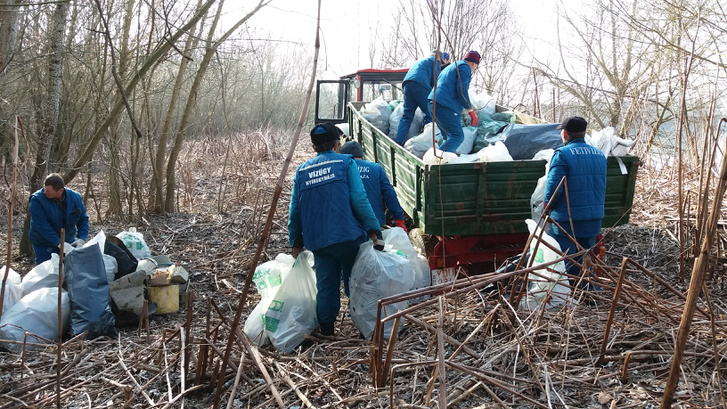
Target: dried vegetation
[463,348]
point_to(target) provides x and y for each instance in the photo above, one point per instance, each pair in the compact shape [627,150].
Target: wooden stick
[59,348]
[606,332]
[262,243]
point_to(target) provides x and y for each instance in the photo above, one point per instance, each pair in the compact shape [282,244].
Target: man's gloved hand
[377,238]
[400,223]
[473,116]
[78,243]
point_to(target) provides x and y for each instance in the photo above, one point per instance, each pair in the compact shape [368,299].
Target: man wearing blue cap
[417,84]
[578,206]
[331,216]
[377,185]
[452,97]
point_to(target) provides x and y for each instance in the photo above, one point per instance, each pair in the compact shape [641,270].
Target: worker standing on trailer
[417,85]
[331,216]
[452,96]
[377,185]
[584,169]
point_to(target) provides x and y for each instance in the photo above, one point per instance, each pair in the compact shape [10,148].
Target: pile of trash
[105,284]
[499,136]
[286,312]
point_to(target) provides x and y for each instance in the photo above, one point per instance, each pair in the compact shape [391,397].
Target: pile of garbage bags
[104,285]
[500,132]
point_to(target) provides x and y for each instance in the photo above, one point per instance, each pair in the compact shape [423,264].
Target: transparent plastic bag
[13,289]
[36,313]
[376,275]
[134,241]
[547,283]
[43,275]
[267,278]
[291,314]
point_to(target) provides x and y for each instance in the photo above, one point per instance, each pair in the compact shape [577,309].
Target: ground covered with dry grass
[465,348]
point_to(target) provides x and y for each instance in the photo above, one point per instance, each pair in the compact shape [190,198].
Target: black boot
[327,328]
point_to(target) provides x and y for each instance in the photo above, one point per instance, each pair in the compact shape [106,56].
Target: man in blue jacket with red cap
[331,216]
[417,84]
[451,97]
[377,185]
[583,167]
[53,208]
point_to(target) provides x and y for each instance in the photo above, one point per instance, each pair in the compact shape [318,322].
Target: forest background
[112,94]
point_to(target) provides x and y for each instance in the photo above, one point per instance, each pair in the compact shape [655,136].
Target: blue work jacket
[328,203]
[423,72]
[48,216]
[379,191]
[453,86]
[584,167]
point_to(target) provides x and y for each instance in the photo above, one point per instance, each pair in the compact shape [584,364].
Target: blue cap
[445,56]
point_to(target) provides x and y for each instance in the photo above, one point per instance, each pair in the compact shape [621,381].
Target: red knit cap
[472,56]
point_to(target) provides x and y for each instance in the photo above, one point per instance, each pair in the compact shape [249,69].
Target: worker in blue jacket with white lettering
[377,185]
[451,97]
[417,85]
[584,169]
[331,216]
[52,208]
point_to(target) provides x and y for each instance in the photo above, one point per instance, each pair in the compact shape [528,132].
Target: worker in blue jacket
[331,216]
[377,185]
[583,167]
[451,97]
[52,208]
[417,85]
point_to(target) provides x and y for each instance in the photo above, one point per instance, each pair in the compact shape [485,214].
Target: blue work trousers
[568,247]
[332,261]
[450,123]
[415,96]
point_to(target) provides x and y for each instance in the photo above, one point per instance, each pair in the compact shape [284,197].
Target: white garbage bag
[267,278]
[376,275]
[495,153]
[291,314]
[13,288]
[36,313]
[420,144]
[548,284]
[43,275]
[134,241]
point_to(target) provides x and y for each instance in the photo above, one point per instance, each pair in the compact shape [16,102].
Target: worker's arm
[82,224]
[295,228]
[465,76]
[359,201]
[389,195]
[558,169]
[40,222]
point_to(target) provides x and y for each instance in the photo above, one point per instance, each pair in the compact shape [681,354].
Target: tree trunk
[192,99]
[52,105]
[156,193]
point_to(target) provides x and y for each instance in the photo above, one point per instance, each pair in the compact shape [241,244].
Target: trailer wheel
[421,241]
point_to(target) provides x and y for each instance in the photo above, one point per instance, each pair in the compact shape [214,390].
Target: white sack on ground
[13,289]
[36,313]
[268,277]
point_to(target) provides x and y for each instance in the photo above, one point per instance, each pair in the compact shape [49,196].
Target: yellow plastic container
[166,298]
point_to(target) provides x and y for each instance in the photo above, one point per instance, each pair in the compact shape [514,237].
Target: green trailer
[476,210]
[472,214]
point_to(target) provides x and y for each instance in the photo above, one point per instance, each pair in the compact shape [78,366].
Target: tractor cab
[332,96]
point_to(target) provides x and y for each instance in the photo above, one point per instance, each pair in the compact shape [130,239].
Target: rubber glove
[78,243]
[473,116]
[400,223]
[377,238]
[296,251]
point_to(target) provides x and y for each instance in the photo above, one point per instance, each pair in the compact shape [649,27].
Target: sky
[347,26]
